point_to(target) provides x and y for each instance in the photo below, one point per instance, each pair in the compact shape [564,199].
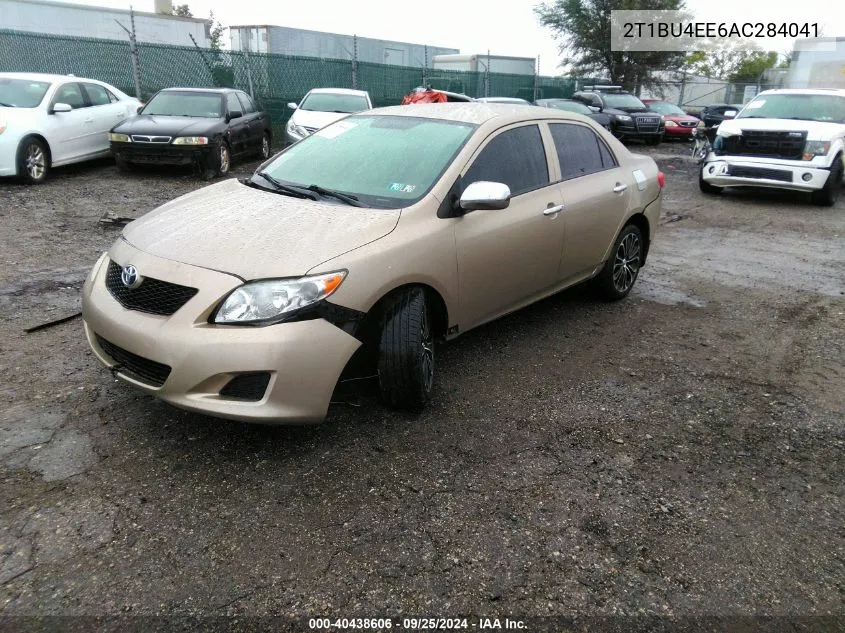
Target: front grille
[247,386]
[742,171]
[647,123]
[688,123]
[153,296]
[765,144]
[143,138]
[138,367]
[310,130]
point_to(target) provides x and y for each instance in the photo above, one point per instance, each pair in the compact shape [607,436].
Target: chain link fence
[273,80]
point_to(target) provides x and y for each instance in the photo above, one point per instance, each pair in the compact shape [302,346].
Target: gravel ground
[678,454]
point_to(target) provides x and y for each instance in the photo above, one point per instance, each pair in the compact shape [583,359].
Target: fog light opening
[807,177]
[711,169]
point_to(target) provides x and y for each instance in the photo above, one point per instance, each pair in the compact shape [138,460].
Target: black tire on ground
[264,150]
[620,271]
[123,166]
[705,186]
[827,195]
[406,352]
[33,160]
[220,163]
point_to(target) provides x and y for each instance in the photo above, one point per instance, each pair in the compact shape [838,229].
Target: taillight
[661,179]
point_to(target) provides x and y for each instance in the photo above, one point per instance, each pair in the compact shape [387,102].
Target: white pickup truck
[783,139]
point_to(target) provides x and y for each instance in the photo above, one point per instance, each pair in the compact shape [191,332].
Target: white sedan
[52,120]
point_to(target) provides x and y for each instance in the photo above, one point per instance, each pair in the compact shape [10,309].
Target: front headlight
[269,299]
[671,124]
[119,138]
[296,130]
[190,140]
[623,117]
[815,148]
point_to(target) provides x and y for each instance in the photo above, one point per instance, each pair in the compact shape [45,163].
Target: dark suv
[629,117]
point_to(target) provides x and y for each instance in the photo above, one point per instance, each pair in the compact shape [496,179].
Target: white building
[817,63]
[60,18]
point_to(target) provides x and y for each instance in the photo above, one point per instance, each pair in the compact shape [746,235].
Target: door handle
[89,120]
[553,210]
[619,188]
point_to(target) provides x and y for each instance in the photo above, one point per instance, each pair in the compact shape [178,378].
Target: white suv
[783,139]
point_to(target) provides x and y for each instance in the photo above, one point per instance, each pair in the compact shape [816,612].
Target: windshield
[21,93]
[569,106]
[665,108]
[333,102]
[198,104]
[386,161]
[622,100]
[824,108]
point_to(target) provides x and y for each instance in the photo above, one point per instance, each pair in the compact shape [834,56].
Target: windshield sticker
[333,131]
[398,186]
[756,104]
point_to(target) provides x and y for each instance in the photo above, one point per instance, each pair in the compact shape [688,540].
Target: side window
[515,157]
[246,103]
[579,150]
[232,103]
[97,95]
[70,94]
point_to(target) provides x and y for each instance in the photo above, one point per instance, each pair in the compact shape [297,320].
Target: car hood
[315,119]
[816,130]
[678,118]
[254,234]
[160,125]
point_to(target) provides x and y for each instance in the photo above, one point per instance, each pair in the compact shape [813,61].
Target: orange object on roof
[428,95]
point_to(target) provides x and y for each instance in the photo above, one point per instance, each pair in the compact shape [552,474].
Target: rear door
[254,123]
[508,257]
[105,112]
[595,193]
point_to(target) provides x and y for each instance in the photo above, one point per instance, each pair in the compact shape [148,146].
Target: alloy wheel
[35,162]
[626,263]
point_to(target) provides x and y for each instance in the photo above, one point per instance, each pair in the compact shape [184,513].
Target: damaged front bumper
[744,171]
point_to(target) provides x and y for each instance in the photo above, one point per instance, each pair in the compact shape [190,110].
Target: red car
[678,123]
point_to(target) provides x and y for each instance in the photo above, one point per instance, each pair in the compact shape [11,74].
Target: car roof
[46,77]
[475,112]
[840,92]
[206,90]
[339,91]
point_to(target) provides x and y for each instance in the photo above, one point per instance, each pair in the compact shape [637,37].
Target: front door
[508,257]
[69,132]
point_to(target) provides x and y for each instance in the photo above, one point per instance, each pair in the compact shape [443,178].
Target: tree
[216,29]
[753,66]
[183,11]
[729,63]
[583,29]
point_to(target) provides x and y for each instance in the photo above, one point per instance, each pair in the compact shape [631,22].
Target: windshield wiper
[298,192]
[7,105]
[339,195]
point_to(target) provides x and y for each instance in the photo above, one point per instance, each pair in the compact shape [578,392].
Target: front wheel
[33,161]
[264,150]
[706,187]
[623,266]
[827,195]
[406,352]
[221,162]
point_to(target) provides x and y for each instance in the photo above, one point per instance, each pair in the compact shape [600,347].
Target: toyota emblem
[130,277]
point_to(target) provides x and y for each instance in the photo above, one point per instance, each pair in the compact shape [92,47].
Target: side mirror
[483,195]
[140,107]
[292,106]
[234,114]
[729,114]
[61,107]
[595,108]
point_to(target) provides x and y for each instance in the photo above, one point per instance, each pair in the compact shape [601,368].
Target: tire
[406,352]
[827,195]
[220,163]
[706,187]
[622,268]
[33,161]
[654,140]
[264,150]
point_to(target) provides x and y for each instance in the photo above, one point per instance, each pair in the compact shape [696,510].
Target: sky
[505,27]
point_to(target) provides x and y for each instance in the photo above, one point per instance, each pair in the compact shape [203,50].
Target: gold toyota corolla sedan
[356,249]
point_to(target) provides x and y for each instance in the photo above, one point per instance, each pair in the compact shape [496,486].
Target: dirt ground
[678,454]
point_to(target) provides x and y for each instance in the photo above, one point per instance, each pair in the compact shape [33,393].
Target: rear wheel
[264,150]
[827,195]
[623,266]
[406,352]
[33,161]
